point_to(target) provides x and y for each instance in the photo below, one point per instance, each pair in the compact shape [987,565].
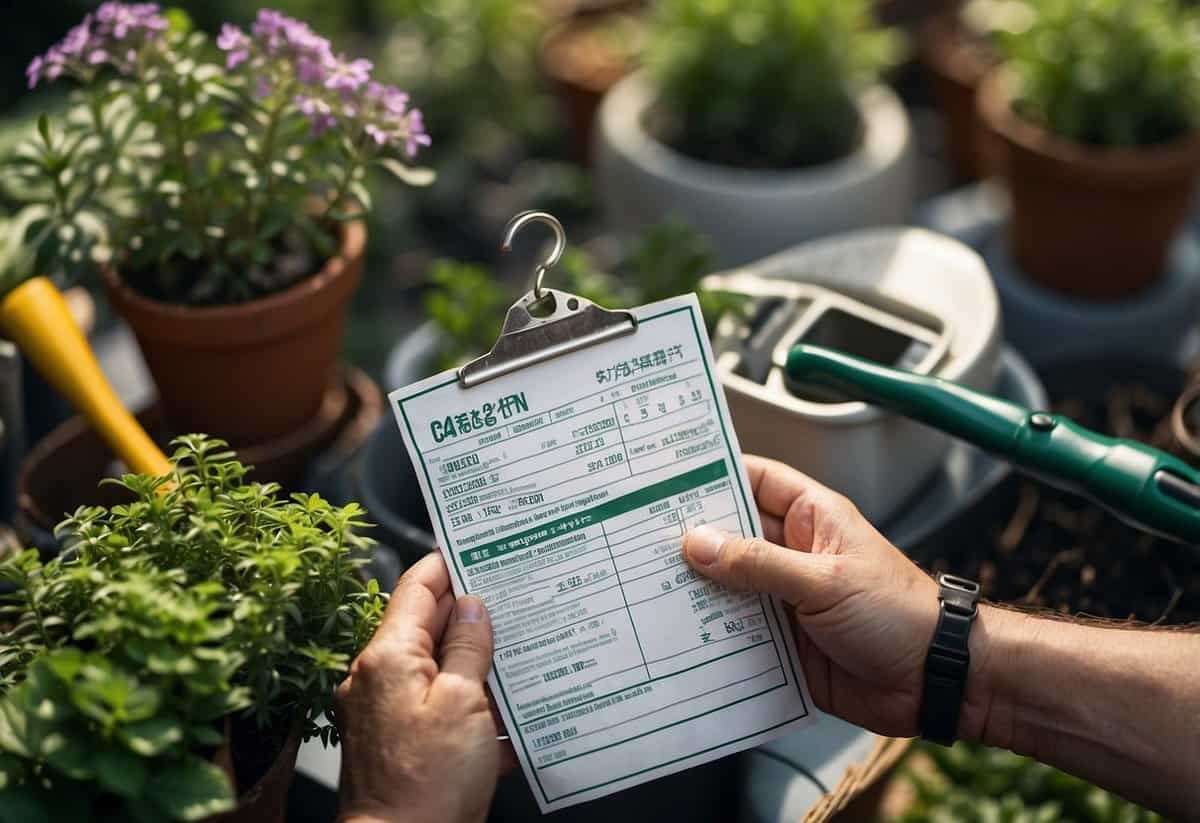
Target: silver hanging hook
[560,242]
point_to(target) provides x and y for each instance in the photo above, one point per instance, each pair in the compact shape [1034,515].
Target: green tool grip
[1123,476]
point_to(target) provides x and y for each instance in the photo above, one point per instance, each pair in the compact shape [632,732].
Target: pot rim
[886,136]
[560,29]
[945,48]
[238,324]
[1134,168]
[1179,428]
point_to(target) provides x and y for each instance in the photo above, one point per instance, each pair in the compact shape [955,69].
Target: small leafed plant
[208,173]
[207,597]
[1108,73]
[764,83]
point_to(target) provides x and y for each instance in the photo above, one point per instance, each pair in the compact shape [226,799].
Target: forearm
[1118,707]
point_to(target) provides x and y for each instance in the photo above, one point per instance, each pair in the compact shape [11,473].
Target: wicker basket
[858,793]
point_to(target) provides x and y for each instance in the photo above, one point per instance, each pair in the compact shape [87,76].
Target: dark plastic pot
[384,482]
[62,471]
[266,800]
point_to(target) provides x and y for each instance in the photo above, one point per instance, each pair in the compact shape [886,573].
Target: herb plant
[1109,73]
[763,83]
[207,596]
[208,174]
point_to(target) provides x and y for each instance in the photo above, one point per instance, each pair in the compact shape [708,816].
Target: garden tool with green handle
[35,316]
[1147,488]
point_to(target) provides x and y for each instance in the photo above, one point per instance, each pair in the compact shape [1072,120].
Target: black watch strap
[949,660]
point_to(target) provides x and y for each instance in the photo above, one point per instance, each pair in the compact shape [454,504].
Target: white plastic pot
[751,213]
[877,459]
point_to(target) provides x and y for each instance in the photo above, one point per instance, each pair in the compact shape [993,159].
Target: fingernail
[468,609]
[704,545]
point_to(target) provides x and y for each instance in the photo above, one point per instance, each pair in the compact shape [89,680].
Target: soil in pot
[584,56]
[1087,221]
[1037,547]
[955,60]
[245,372]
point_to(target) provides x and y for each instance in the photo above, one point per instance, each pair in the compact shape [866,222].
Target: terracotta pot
[62,471]
[249,372]
[266,800]
[582,68]
[1086,221]
[955,61]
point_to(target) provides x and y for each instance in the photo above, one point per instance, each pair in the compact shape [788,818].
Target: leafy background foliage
[1113,73]
[468,303]
[974,784]
[206,596]
[764,83]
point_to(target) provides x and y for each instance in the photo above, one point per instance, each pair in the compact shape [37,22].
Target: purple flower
[76,39]
[34,71]
[120,19]
[346,75]
[310,70]
[304,42]
[262,87]
[269,27]
[416,133]
[377,133]
[318,112]
[113,35]
[236,43]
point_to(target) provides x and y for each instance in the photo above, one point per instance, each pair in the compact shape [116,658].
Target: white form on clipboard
[559,486]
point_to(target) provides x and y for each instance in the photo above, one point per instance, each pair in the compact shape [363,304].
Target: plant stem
[264,160]
[353,164]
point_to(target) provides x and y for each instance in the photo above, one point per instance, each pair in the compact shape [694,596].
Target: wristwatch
[949,660]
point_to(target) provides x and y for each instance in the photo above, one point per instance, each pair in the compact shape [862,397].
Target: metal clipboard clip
[545,323]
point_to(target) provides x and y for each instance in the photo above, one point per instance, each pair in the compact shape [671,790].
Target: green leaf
[178,21]
[191,789]
[69,754]
[407,174]
[13,727]
[151,736]
[207,736]
[120,772]
[43,127]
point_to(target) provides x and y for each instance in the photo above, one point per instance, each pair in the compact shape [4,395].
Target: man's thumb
[754,564]
[466,647]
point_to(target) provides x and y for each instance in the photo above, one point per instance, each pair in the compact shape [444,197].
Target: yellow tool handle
[35,316]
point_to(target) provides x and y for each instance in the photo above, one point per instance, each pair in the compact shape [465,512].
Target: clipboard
[560,498]
[545,323]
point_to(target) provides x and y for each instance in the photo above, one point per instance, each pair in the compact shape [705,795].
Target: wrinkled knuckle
[463,691]
[371,661]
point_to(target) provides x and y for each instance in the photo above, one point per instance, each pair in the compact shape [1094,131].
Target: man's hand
[418,735]
[864,613]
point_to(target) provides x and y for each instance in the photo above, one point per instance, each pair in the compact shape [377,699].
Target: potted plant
[220,192]
[1095,116]
[584,55]
[760,122]
[166,666]
[956,52]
